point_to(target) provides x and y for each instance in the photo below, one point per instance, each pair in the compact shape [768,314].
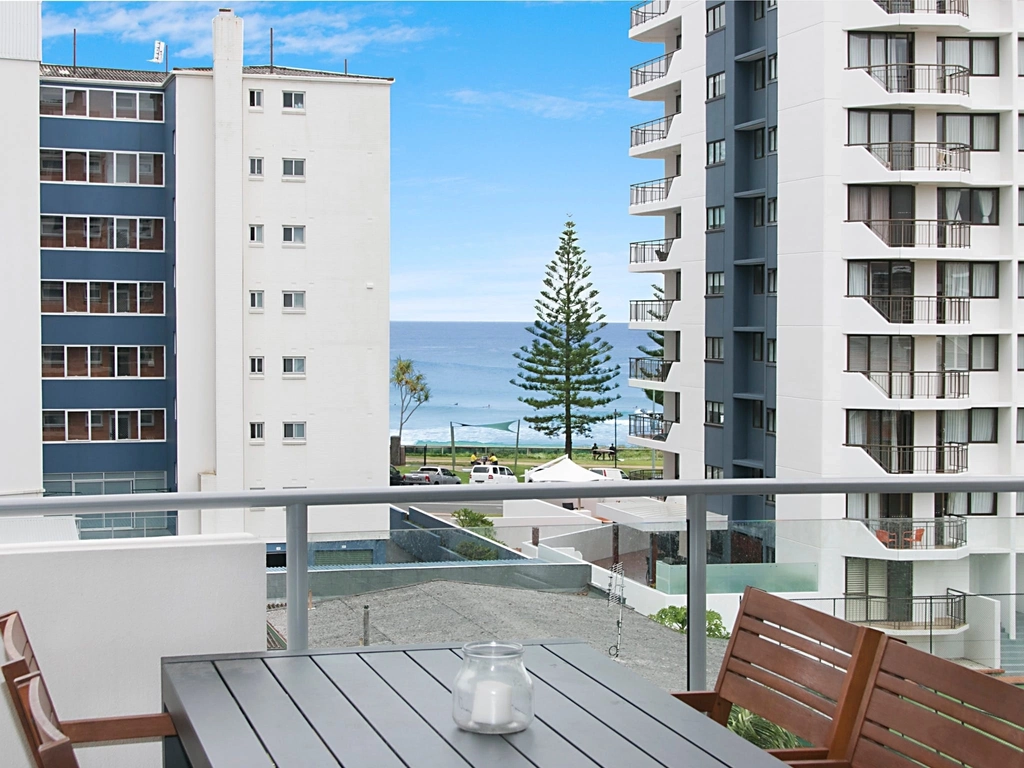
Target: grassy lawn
[628,458]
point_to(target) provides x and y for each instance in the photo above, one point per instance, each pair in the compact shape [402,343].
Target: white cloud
[540,104]
[186,27]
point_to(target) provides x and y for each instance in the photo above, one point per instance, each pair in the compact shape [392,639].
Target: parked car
[417,478]
[440,475]
[490,473]
[610,473]
[396,477]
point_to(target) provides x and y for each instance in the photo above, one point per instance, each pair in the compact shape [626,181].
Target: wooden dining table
[389,707]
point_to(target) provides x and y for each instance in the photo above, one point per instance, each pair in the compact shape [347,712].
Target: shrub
[763,733]
[474,521]
[472,550]
[674,617]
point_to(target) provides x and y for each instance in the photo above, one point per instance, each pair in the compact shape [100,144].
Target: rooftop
[156,77]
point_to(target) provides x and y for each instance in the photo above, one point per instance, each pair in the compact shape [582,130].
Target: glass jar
[492,693]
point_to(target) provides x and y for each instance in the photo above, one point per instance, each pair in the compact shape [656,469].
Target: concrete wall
[981,641]
[101,614]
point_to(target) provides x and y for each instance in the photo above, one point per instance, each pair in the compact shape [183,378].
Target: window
[979,54]
[256,300]
[984,353]
[1020,426]
[716,18]
[51,165]
[716,218]
[715,284]
[256,430]
[294,235]
[294,366]
[757,414]
[757,279]
[1020,206]
[1020,280]
[759,74]
[879,48]
[976,206]
[255,233]
[295,431]
[772,4]
[255,166]
[255,99]
[979,132]
[1020,357]
[714,348]
[294,168]
[769,421]
[714,412]
[55,101]
[773,139]
[255,366]
[758,209]
[773,280]
[772,343]
[295,301]
[983,425]
[773,67]
[954,352]
[979,280]
[773,210]
[758,9]
[1020,73]
[294,100]
[716,152]
[101,233]
[1020,136]
[757,347]
[712,472]
[960,503]
[758,138]
[716,86]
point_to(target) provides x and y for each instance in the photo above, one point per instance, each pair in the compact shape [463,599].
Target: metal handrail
[649,310]
[650,251]
[649,70]
[925,6]
[647,10]
[908,459]
[905,385]
[649,368]
[645,474]
[911,533]
[923,612]
[920,233]
[652,130]
[649,426]
[650,191]
[921,155]
[921,78]
[948,310]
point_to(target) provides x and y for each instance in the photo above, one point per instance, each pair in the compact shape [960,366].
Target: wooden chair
[800,668]
[21,663]
[923,710]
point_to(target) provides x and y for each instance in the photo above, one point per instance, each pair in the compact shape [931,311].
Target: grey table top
[387,706]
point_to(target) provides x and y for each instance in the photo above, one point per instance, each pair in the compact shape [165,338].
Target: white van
[610,473]
[488,473]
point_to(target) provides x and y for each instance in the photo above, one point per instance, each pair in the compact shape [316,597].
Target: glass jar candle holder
[493,692]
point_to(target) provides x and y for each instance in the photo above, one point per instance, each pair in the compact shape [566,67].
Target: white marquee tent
[562,470]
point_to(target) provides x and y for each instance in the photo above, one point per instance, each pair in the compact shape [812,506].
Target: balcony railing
[649,70]
[908,459]
[922,78]
[649,426]
[928,533]
[649,368]
[650,191]
[924,6]
[649,310]
[646,474]
[921,233]
[921,385]
[950,310]
[642,12]
[652,130]
[921,155]
[925,613]
[650,251]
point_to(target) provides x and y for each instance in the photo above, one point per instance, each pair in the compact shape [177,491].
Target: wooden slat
[871,753]
[800,643]
[434,704]
[688,722]
[415,742]
[799,618]
[808,724]
[784,687]
[212,728]
[542,745]
[702,701]
[790,664]
[284,731]
[338,723]
[118,728]
[660,742]
[799,753]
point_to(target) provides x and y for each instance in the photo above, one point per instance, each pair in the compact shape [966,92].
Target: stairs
[1011,657]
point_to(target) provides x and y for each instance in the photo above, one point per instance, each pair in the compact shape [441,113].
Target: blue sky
[506,117]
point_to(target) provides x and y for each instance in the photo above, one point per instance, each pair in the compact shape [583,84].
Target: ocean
[469,368]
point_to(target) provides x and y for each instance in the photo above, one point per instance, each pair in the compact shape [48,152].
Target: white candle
[492,703]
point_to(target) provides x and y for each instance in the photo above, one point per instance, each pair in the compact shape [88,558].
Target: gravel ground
[450,612]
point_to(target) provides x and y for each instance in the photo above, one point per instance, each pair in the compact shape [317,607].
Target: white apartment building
[842,200]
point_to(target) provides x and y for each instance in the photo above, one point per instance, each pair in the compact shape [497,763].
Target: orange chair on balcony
[914,538]
[886,538]
[21,668]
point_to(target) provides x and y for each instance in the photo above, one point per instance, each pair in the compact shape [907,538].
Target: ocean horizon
[469,368]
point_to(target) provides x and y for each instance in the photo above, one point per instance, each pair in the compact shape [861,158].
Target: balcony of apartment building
[648,21]
[652,80]
[650,372]
[905,84]
[900,615]
[890,162]
[653,255]
[952,15]
[653,198]
[904,538]
[655,139]
[651,427]
[650,314]
[887,439]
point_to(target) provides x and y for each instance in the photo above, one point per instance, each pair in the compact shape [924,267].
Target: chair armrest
[702,701]
[819,764]
[799,753]
[118,728]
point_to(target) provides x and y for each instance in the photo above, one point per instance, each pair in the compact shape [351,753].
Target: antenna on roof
[271,50]
[74,51]
[346,66]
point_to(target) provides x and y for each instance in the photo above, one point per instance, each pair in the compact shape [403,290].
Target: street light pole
[615,445]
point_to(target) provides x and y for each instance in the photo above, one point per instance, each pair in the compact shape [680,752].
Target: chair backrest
[20,661]
[882,536]
[795,666]
[45,737]
[923,710]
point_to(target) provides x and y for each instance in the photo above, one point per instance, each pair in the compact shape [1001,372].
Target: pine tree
[656,396]
[566,363]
